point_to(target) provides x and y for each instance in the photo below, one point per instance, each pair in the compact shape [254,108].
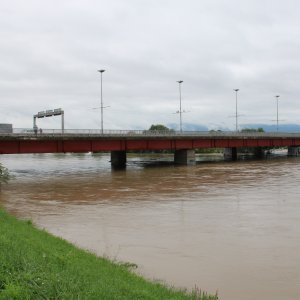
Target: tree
[159,127]
[260,129]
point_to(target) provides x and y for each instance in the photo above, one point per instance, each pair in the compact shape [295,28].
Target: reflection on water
[234,227]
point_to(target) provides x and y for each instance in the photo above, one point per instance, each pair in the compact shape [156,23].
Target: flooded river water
[227,226]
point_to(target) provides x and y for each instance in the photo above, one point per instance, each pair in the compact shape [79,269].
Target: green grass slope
[37,265]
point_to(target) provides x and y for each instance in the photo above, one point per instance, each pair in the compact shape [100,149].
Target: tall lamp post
[101,72]
[236,111]
[180,110]
[277,120]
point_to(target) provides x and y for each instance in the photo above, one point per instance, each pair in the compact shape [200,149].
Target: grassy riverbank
[37,265]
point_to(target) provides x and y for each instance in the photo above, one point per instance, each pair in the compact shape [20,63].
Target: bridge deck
[54,141]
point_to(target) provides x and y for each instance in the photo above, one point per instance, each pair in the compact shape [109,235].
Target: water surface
[227,226]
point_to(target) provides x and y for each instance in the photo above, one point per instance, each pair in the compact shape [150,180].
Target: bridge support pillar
[293,151]
[118,159]
[259,152]
[230,153]
[185,157]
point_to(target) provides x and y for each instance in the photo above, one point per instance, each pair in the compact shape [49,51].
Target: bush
[4,174]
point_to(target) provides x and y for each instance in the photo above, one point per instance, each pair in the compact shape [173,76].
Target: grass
[37,265]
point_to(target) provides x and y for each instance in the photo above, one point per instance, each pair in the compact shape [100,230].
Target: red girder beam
[204,143]
[122,144]
[160,145]
[108,145]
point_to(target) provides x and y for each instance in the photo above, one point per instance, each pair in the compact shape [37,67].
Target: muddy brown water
[227,226]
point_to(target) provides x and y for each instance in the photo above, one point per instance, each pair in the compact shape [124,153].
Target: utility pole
[180,110]
[277,119]
[101,72]
[236,110]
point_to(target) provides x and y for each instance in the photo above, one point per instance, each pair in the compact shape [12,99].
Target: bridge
[118,142]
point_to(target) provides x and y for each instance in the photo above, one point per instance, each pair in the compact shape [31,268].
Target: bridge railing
[28,132]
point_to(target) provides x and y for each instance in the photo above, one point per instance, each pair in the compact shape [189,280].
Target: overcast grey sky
[51,50]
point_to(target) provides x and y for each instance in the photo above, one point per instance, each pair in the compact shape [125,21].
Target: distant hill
[292,128]
[188,127]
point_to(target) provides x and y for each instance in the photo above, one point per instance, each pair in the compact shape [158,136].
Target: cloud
[51,51]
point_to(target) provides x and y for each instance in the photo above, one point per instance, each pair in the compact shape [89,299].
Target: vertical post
[101,71]
[277,120]
[62,122]
[35,128]
[236,110]
[180,110]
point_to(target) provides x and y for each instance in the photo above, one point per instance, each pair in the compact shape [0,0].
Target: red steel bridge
[120,141]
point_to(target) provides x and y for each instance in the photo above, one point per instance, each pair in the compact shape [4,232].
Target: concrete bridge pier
[118,159]
[185,157]
[259,152]
[230,153]
[293,151]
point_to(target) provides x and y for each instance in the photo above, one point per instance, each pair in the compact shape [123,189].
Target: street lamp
[277,96]
[101,72]
[180,110]
[236,113]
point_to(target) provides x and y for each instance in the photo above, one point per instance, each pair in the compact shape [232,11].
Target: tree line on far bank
[161,127]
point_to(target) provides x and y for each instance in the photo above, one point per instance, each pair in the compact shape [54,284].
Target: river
[227,226]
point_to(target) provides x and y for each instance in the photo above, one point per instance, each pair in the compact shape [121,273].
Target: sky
[50,52]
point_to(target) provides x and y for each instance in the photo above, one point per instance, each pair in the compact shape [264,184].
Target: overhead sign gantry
[49,113]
